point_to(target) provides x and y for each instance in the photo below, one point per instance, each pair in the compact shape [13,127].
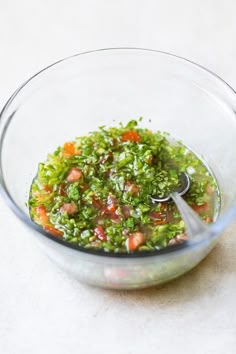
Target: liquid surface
[95,191]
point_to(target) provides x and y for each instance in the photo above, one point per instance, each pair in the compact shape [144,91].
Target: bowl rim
[214,229]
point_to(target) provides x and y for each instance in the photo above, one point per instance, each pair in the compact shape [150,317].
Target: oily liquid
[209,209]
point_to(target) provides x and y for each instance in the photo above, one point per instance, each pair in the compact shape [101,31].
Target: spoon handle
[194,225]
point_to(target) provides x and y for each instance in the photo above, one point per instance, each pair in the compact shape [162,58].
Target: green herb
[73,191]
[108,204]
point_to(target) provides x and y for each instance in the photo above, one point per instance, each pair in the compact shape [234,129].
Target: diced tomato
[62,189]
[41,216]
[131,187]
[200,208]
[69,149]
[159,217]
[115,218]
[47,189]
[126,211]
[155,214]
[111,208]
[130,135]
[97,203]
[134,241]
[69,208]
[74,175]
[99,233]
[52,230]
[112,203]
[178,240]
[104,211]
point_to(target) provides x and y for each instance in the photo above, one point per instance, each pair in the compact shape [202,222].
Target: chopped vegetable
[52,230]
[69,208]
[41,216]
[95,191]
[134,241]
[74,175]
[69,150]
[99,233]
[130,135]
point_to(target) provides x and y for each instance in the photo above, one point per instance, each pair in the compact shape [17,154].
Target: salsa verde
[95,191]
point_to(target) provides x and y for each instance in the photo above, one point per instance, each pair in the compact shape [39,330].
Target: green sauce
[95,191]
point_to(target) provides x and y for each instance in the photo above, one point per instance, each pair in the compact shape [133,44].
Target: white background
[42,310]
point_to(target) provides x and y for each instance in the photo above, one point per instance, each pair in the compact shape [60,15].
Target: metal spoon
[193,223]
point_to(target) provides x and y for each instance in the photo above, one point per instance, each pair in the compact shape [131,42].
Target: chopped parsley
[95,191]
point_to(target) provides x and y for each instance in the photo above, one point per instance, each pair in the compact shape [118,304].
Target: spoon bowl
[194,225]
[181,189]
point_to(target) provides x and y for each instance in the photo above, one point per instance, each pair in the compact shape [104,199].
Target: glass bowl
[105,87]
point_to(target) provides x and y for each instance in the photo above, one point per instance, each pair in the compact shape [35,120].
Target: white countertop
[42,310]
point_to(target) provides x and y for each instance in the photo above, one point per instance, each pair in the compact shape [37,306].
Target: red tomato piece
[97,203]
[69,149]
[130,135]
[111,208]
[126,211]
[135,240]
[74,175]
[52,230]
[159,217]
[99,233]
[104,211]
[62,189]
[47,189]
[115,218]
[132,188]
[155,214]
[41,216]
[69,208]
[112,203]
